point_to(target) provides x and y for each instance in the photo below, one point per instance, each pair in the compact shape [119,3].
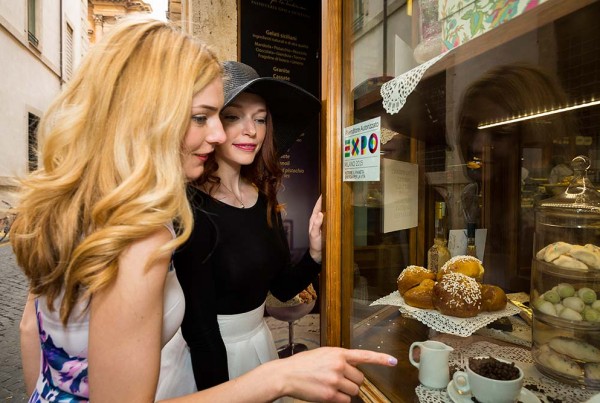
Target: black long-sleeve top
[232,259]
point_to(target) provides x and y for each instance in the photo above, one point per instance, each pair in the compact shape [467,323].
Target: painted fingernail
[393,361]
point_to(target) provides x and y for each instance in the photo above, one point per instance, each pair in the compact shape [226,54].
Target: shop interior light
[538,114]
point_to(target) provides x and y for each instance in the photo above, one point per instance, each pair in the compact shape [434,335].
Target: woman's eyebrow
[202,106]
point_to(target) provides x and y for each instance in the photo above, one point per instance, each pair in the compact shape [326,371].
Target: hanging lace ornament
[387,135]
[395,91]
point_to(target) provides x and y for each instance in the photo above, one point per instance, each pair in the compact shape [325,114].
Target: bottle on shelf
[439,254]
[471,249]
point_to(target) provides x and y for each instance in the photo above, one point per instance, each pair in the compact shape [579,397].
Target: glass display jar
[565,282]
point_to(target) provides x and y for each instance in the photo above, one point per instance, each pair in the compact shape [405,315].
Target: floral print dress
[64,365]
[64,360]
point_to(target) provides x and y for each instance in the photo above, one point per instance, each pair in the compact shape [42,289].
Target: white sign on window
[361,151]
[400,195]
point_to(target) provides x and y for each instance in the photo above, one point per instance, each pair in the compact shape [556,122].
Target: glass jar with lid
[565,282]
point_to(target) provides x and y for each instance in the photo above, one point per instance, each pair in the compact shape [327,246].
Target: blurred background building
[42,43]
[103,14]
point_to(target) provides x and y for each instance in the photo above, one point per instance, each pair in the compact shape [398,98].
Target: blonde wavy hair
[111,160]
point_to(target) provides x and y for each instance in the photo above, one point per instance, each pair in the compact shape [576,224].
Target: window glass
[32,21]
[492,127]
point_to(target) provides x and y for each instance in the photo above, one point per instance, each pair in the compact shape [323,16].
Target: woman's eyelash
[199,119]
[232,118]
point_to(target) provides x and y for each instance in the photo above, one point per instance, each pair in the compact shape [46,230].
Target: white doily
[387,135]
[546,389]
[459,356]
[395,91]
[446,324]
[520,334]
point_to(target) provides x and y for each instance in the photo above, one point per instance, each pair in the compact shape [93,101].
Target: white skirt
[247,339]
[176,376]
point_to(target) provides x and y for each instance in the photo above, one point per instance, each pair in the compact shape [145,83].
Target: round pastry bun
[493,298]
[411,277]
[468,265]
[457,295]
[421,296]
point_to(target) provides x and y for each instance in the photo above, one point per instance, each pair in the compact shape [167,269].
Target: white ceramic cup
[432,364]
[488,390]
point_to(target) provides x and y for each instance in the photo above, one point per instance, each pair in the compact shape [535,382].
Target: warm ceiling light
[535,115]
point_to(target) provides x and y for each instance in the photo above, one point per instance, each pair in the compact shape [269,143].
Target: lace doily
[546,389]
[520,334]
[446,324]
[395,91]
[387,135]
[459,356]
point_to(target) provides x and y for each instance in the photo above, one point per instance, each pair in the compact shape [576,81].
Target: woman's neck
[232,189]
[230,177]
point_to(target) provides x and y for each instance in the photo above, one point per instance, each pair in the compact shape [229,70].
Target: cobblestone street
[13,292]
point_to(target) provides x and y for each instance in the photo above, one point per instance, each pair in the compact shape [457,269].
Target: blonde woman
[94,232]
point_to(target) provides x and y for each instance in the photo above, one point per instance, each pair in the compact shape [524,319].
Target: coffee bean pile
[494,369]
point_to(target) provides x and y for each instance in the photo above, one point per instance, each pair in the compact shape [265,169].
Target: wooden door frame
[331,169]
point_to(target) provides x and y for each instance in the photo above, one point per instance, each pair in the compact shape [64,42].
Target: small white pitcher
[433,366]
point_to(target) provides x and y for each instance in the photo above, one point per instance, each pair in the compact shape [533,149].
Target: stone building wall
[215,21]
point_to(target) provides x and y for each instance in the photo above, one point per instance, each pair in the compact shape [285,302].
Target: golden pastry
[468,265]
[457,295]
[421,296]
[412,277]
[493,298]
